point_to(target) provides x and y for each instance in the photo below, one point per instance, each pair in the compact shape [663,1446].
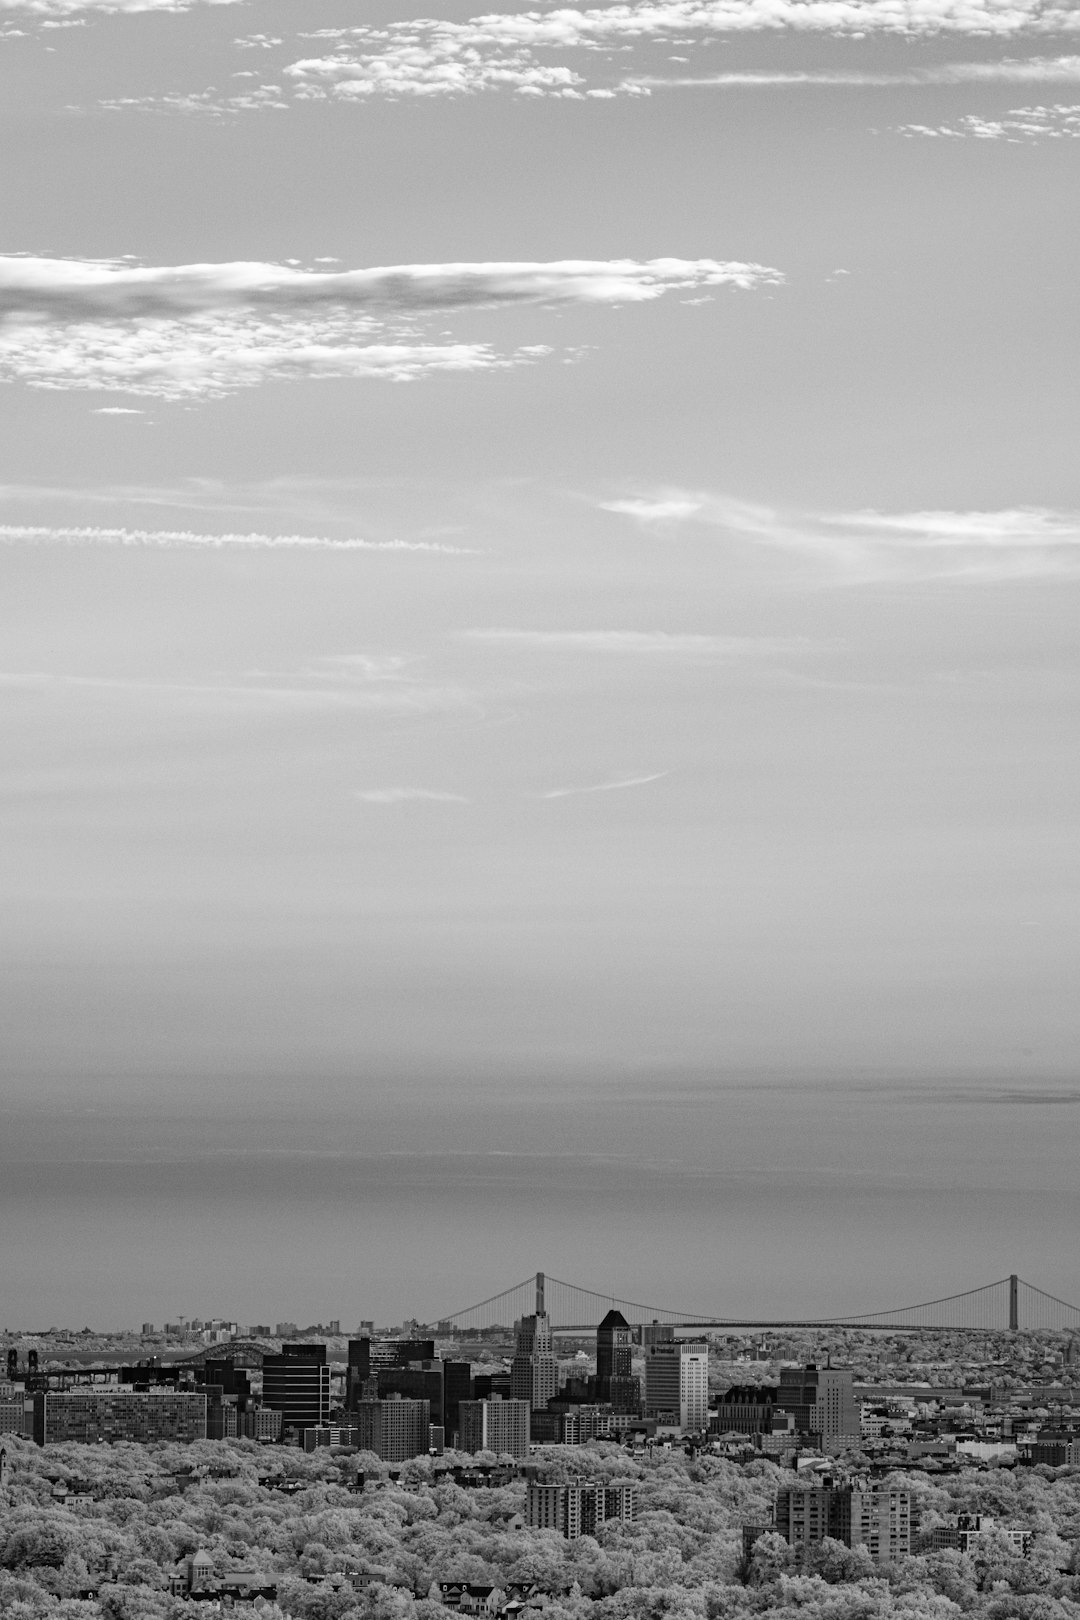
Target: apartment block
[578,1508]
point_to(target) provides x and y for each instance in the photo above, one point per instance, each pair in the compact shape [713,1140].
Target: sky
[539,565]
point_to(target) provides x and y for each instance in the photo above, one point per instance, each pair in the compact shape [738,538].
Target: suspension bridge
[1008,1304]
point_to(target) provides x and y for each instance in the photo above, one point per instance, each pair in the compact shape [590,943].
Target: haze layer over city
[538,586]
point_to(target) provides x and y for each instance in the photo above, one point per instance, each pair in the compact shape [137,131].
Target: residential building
[677,1383]
[495,1425]
[297,1384]
[88,1416]
[856,1513]
[972,1532]
[395,1429]
[578,1508]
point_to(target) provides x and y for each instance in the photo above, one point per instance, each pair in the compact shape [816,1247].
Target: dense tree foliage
[144,1509]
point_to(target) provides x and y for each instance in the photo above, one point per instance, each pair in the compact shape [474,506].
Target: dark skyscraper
[613,1353]
[297,1384]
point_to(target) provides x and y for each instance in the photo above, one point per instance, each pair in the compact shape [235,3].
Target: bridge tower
[1014,1303]
[540,1293]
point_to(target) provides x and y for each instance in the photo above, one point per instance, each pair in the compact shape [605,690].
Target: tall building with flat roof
[297,1384]
[576,1509]
[821,1400]
[677,1383]
[394,1429]
[494,1425]
[858,1514]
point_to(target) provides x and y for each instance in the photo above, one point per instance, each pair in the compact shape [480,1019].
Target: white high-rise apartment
[677,1382]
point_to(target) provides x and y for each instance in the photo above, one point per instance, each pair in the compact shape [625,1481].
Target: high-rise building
[655,1333]
[821,1400]
[577,1508]
[613,1353]
[494,1425]
[677,1383]
[534,1371]
[368,1355]
[297,1384]
[420,1381]
[394,1429]
[457,1387]
[858,1514]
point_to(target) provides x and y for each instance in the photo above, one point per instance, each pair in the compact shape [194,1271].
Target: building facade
[578,1508]
[677,1383]
[495,1425]
[89,1416]
[394,1429]
[297,1384]
[534,1371]
[821,1399]
[858,1514]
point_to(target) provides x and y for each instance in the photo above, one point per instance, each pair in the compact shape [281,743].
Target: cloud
[117,410]
[408,796]
[651,643]
[874,546]
[79,290]
[655,511]
[426,57]
[167,539]
[606,787]
[205,329]
[1010,70]
[1019,124]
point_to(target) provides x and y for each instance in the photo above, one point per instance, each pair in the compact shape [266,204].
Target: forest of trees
[683,1556]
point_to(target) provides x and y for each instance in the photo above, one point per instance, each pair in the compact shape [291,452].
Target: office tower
[457,1387]
[534,1371]
[613,1353]
[297,1384]
[578,1508]
[746,1409]
[368,1355]
[90,1416]
[494,1425]
[394,1429]
[821,1400]
[677,1383]
[858,1514]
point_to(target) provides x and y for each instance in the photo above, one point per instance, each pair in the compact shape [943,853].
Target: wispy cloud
[205,329]
[1009,70]
[606,787]
[402,795]
[870,545]
[167,539]
[649,643]
[1017,125]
